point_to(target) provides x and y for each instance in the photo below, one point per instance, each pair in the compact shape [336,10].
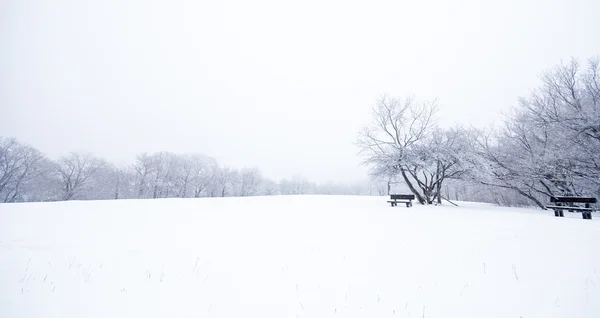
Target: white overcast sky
[280,85]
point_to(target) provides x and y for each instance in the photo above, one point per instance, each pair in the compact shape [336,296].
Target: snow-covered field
[294,256]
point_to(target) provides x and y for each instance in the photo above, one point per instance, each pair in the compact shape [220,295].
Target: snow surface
[294,256]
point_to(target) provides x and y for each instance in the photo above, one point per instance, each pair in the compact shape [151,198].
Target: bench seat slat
[558,207]
[572,199]
[402,196]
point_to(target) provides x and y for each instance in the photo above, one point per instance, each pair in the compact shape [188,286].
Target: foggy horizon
[284,88]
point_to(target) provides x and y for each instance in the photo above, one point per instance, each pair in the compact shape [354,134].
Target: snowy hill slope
[295,256]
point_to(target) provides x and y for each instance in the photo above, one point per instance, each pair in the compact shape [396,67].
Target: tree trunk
[117,188]
[411,187]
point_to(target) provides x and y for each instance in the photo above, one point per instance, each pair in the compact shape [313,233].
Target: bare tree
[268,187]
[397,128]
[226,179]
[562,117]
[380,186]
[250,179]
[75,172]
[144,167]
[300,185]
[442,155]
[115,182]
[499,167]
[164,174]
[183,174]
[285,187]
[550,143]
[19,164]
[203,175]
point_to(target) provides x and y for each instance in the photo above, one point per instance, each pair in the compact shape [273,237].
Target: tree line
[548,145]
[26,174]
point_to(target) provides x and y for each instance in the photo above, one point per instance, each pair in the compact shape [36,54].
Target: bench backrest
[572,200]
[402,196]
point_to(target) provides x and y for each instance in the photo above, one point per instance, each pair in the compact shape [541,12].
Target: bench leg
[587,215]
[556,213]
[562,213]
[408,204]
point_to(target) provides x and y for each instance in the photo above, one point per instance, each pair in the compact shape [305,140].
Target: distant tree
[226,180]
[300,185]
[191,174]
[268,187]
[203,169]
[75,172]
[47,186]
[286,187]
[165,174]
[250,180]
[379,186]
[328,188]
[19,165]
[113,182]
[144,168]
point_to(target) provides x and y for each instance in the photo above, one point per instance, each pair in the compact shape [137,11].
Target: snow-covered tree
[550,143]
[226,182]
[165,174]
[443,154]
[404,140]
[203,169]
[250,180]
[286,187]
[112,182]
[75,173]
[19,165]
[268,187]
[144,168]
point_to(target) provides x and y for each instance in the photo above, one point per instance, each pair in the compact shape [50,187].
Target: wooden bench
[401,198]
[567,203]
